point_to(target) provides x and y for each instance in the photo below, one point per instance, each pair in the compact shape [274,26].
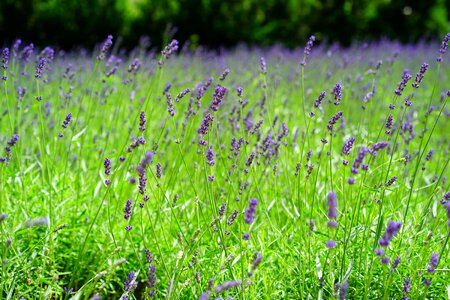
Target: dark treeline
[217,23]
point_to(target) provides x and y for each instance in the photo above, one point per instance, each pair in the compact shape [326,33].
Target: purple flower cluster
[263,66]
[5,61]
[134,66]
[210,156]
[348,146]
[232,217]
[392,228]
[142,121]
[127,209]
[390,181]
[227,285]
[170,108]
[67,120]
[337,92]
[170,49]
[333,120]
[250,211]
[401,86]
[433,263]
[224,74]
[309,45]
[389,124]
[332,215]
[419,76]
[130,283]
[182,94]
[377,146]
[319,99]
[11,143]
[151,278]
[256,260]
[219,94]
[40,67]
[443,48]
[359,159]
[105,47]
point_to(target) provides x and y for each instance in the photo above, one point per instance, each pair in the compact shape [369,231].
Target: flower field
[314,173]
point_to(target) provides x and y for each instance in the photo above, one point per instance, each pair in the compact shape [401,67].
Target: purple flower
[224,74]
[395,263]
[219,94]
[331,244]
[332,203]
[392,228]
[67,120]
[379,252]
[210,156]
[26,52]
[407,285]
[429,155]
[107,164]
[5,58]
[170,108]
[389,124]
[385,260]
[239,91]
[348,146]
[319,99]
[158,170]
[145,162]
[142,121]
[232,217]
[206,123]
[170,49]
[337,92]
[227,285]
[250,211]
[443,48]
[263,66]
[351,180]
[205,296]
[134,66]
[40,67]
[130,283]
[433,263]
[105,47]
[343,290]
[127,209]
[182,94]
[390,181]
[419,76]
[427,282]
[246,236]
[401,86]
[377,146]
[309,45]
[333,120]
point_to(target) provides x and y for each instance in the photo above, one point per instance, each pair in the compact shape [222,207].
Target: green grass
[64,228]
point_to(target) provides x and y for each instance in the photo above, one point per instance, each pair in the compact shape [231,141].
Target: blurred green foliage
[221,22]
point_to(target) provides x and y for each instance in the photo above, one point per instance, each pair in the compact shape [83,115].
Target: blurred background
[221,23]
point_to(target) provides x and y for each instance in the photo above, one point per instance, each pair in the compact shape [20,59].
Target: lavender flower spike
[250,211]
[392,228]
[227,285]
[433,263]
[105,47]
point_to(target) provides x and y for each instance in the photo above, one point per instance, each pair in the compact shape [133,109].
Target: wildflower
[385,260]
[170,49]
[332,210]
[219,94]
[239,91]
[170,108]
[151,278]
[224,74]
[127,210]
[348,146]
[309,45]
[227,285]
[333,120]
[67,120]
[145,161]
[407,285]
[395,263]
[250,211]
[246,236]
[389,124]
[390,181]
[331,244]
[142,121]
[429,155]
[40,67]
[419,76]
[377,146]
[256,260]
[134,66]
[232,217]
[351,180]
[105,47]
[107,164]
[443,48]
[433,263]
[182,94]
[319,99]
[5,58]
[130,283]
[263,66]
[158,170]
[337,92]
[401,86]
[205,296]
[343,290]
[206,123]
[392,228]
[210,156]
[26,52]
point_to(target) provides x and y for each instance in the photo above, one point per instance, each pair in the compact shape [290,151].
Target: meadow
[252,173]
